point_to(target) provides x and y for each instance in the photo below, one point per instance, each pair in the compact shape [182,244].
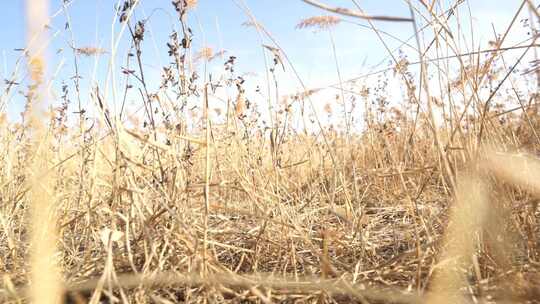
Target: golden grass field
[434,201]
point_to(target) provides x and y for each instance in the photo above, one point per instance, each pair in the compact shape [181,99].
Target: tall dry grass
[45,276]
[434,200]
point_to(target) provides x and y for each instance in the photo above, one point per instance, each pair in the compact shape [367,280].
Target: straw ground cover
[433,199]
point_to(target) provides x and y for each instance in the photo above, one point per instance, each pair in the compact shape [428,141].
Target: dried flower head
[304,94]
[308,93]
[328,108]
[320,22]
[401,67]
[205,53]
[240,104]
[191,4]
[89,51]
[37,69]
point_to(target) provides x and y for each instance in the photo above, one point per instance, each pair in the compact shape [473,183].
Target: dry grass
[432,201]
[45,278]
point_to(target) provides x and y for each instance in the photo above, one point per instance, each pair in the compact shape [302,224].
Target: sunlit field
[148,163]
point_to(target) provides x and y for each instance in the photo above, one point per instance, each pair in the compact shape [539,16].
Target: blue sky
[218,24]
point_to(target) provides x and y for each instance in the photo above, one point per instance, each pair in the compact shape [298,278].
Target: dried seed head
[37,67]
[240,104]
[205,53]
[328,108]
[320,22]
[191,4]
[89,51]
